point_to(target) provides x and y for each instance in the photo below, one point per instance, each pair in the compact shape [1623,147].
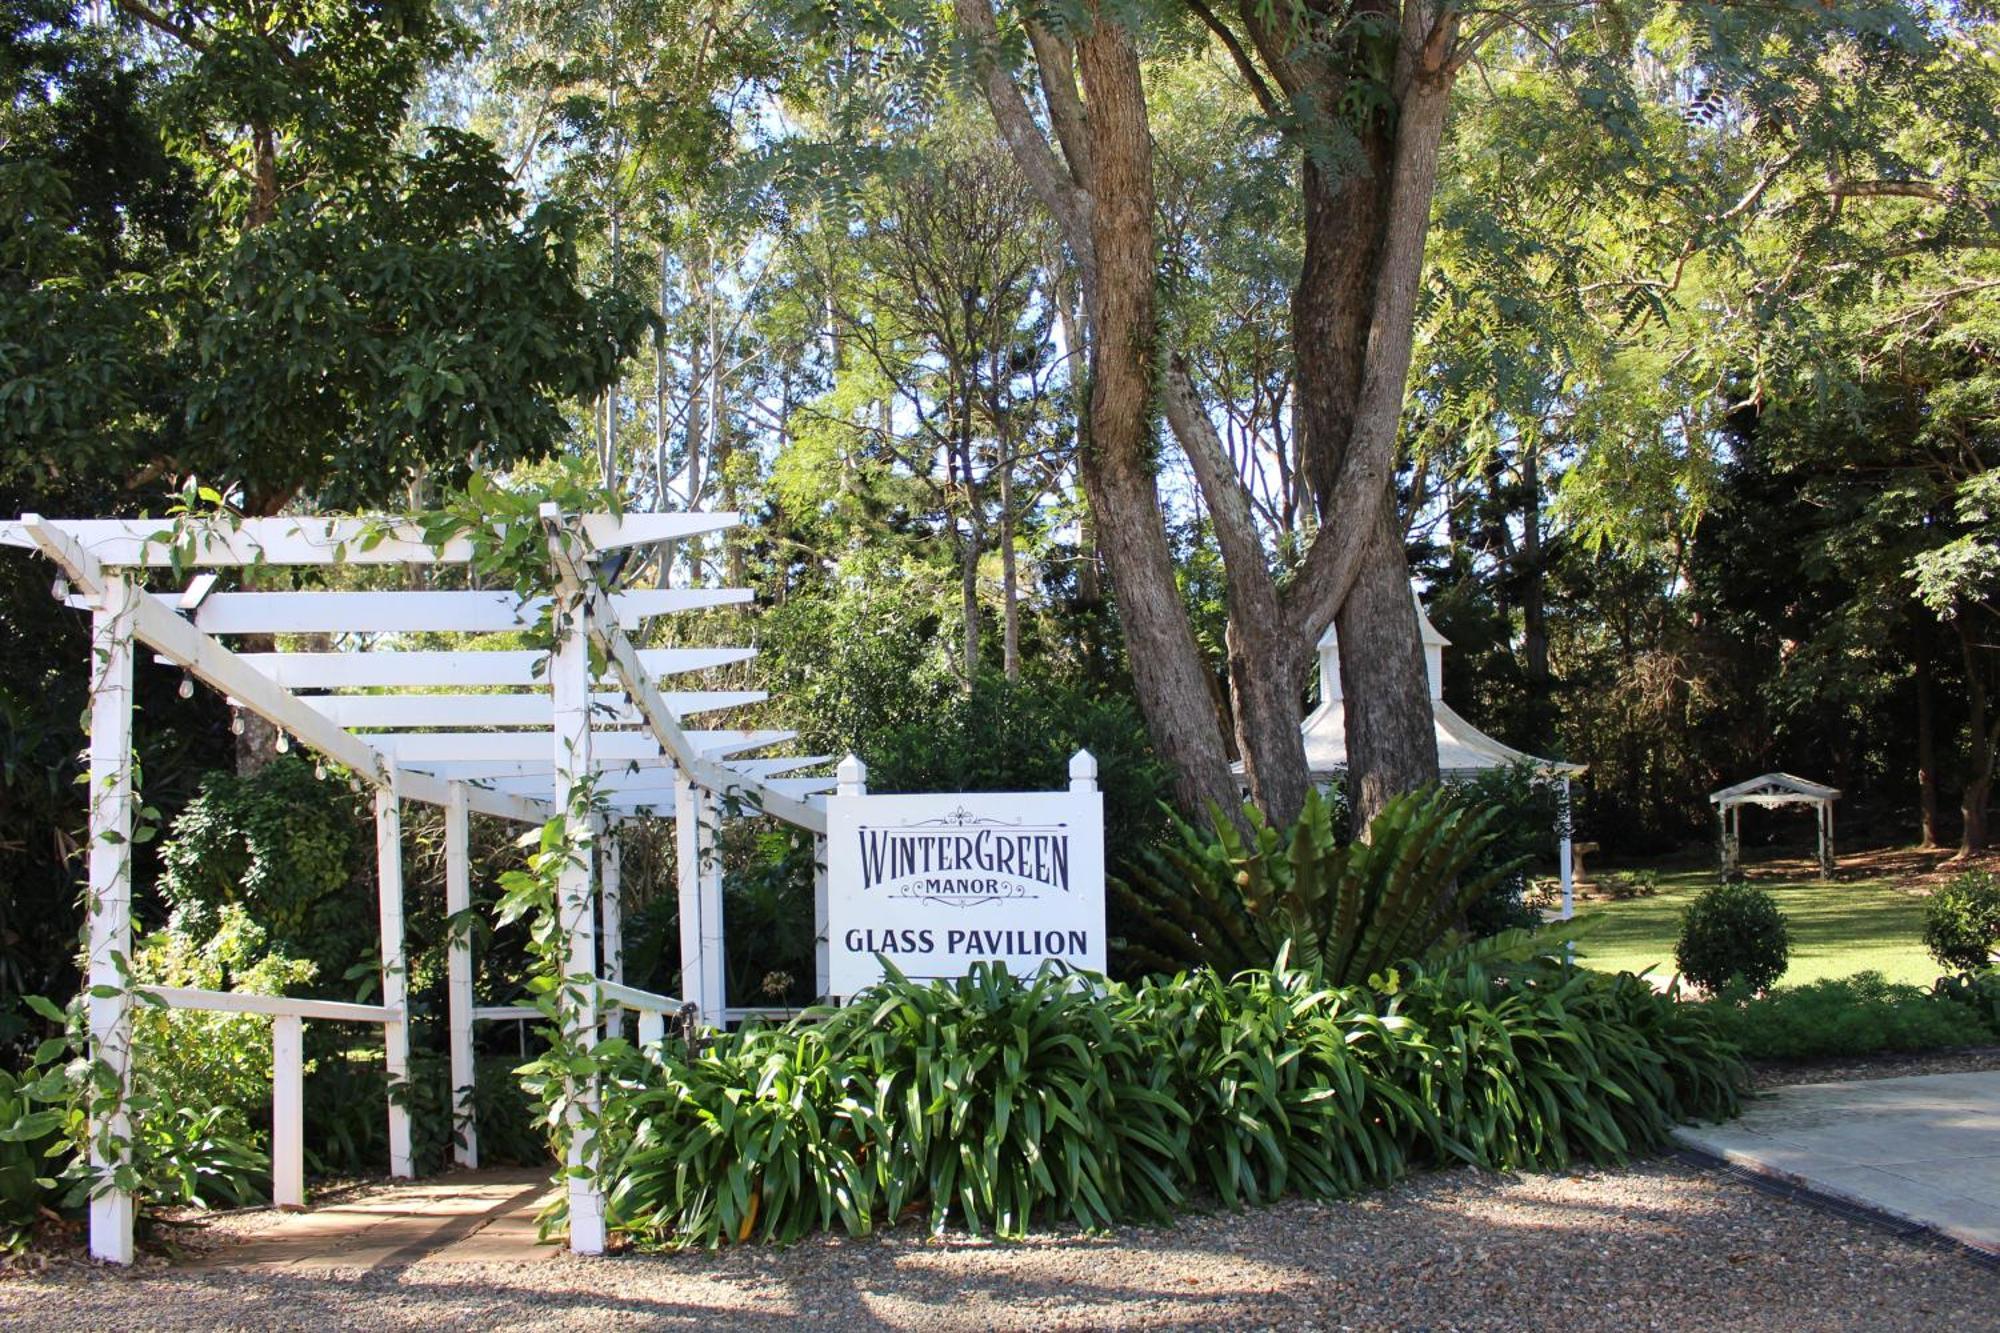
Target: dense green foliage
[1849,1016]
[1733,932]
[1000,1103]
[1978,992]
[1231,901]
[1962,921]
[288,852]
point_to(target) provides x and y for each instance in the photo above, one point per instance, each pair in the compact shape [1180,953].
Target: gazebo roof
[1462,748]
[1774,789]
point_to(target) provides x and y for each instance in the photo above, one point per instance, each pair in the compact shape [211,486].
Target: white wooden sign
[935,883]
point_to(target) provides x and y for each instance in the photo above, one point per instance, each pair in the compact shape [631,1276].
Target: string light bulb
[319,771]
[236,721]
[187,686]
[284,743]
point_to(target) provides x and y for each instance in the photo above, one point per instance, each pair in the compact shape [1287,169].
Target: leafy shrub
[1976,991]
[180,1154]
[1733,932]
[1962,922]
[1626,885]
[1524,833]
[288,849]
[28,1132]
[1858,1015]
[1348,910]
[993,1101]
[201,1059]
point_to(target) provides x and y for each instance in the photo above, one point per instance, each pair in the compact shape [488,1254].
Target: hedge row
[995,1102]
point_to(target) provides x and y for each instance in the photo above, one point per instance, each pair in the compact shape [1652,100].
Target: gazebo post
[458,971]
[576,906]
[1826,839]
[395,973]
[1565,853]
[110,911]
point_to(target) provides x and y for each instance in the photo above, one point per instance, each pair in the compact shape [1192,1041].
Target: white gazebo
[503,733]
[1772,789]
[1463,750]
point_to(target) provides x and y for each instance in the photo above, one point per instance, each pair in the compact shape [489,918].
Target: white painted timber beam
[241,1002]
[507,710]
[458,974]
[570,745]
[425,612]
[417,747]
[182,645]
[632,671]
[211,544]
[432,790]
[335,671]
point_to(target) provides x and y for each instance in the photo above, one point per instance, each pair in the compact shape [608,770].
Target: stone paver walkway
[1924,1150]
[466,1217]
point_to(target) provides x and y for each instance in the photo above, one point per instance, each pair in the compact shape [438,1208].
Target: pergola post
[687,864]
[1826,839]
[611,888]
[110,914]
[576,902]
[714,987]
[822,942]
[395,971]
[458,971]
[288,1111]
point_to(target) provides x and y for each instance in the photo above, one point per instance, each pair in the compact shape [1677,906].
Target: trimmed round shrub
[1733,933]
[1962,921]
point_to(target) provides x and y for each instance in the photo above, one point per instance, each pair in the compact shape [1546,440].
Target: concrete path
[1924,1150]
[465,1217]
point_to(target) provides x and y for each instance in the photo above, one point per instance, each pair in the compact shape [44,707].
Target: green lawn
[1838,928]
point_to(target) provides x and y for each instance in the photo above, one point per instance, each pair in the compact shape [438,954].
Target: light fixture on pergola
[1772,789]
[505,733]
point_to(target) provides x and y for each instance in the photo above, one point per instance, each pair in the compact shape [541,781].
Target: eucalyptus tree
[943,362]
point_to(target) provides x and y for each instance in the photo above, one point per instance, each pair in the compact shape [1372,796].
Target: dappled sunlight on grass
[1838,928]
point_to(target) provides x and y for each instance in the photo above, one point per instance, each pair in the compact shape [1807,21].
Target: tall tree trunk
[1929,834]
[1117,458]
[1348,304]
[660,414]
[1010,600]
[1981,740]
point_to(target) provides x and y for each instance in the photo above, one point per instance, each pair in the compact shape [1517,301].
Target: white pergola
[504,733]
[1768,790]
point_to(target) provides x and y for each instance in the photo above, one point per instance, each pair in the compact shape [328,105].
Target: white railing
[288,1100]
[652,1008]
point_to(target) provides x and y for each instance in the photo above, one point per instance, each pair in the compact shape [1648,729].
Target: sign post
[935,883]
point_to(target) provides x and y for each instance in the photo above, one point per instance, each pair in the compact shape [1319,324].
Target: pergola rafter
[507,733]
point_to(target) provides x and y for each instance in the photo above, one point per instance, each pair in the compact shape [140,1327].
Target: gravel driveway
[1658,1246]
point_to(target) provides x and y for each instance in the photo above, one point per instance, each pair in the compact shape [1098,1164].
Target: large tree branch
[1055,67]
[1052,184]
[1367,474]
[1245,65]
